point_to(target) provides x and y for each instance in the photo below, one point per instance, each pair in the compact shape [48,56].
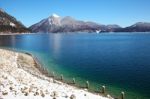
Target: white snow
[50,21]
[55,15]
[12,24]
[54,19]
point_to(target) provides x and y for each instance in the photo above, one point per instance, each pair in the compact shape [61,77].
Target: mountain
[51,23]
[55,24]
[137,27]
[113,27]
[9,24]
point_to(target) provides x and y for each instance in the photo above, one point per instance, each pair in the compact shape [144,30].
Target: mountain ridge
[9,24]
[67,24]
[70,24]
[137,27]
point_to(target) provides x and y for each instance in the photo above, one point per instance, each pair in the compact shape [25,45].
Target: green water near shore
[68,75]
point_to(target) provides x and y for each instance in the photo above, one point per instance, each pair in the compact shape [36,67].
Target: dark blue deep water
[120,61]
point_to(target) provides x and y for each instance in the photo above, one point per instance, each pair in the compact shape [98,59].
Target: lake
[120,61]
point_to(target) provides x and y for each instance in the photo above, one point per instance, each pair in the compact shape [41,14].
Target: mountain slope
[137,27]
[8,24]
[56,24]
[51,23]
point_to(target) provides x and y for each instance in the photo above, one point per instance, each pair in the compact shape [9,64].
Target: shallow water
[120,61]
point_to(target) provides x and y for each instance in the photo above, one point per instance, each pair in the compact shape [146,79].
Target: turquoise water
[119,61]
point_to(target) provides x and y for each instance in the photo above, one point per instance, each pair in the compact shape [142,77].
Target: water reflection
[56,43]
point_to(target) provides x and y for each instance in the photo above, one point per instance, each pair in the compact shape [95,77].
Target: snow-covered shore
[19,80]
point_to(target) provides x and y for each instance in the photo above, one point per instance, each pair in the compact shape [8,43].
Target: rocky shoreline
[20,79]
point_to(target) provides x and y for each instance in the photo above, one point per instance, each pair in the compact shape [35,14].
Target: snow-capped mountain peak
[55,15]
[56,24]
[54,19]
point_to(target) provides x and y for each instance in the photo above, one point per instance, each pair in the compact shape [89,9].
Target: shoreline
[15,33]
[24,75]
[76,33]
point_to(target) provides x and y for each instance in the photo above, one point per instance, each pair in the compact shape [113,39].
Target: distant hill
[56,24]
[137,27]
[9,24]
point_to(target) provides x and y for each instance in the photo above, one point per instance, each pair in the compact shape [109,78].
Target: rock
[10,82]
[72,96]
[43,95]
[25,88]
[34,94]
[66,96]
[37,93]
[54,94]
[109,96]
[11,88]
[5,92]
[26,93]
[22,90]
[15,92]
[46,91]
[30,89]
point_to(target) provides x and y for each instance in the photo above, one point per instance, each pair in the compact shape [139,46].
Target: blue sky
[121,12]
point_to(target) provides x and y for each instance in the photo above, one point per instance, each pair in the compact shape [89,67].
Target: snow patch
[50,21]
[12,24]
[55,15]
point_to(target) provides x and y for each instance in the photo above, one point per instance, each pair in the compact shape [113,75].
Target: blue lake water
[120,61]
